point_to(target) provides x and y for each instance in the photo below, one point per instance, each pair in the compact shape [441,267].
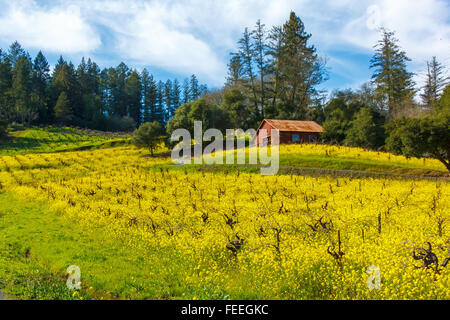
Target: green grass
[292,161]
[37,245]
[56,139]
[335,163]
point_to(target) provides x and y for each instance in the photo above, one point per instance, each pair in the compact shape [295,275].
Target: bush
[419,137]
[366,130]
[148,135]
[120,124]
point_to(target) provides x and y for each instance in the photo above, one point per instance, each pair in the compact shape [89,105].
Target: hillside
[328,159]
[58,139]
[169,234]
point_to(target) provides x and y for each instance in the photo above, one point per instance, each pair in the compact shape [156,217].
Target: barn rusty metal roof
[295,125]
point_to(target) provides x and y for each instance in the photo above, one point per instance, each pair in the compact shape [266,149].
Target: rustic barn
[291,131]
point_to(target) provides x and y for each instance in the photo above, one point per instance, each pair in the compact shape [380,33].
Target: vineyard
[139,227]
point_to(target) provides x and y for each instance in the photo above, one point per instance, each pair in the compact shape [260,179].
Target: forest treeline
[112,99]
[275,73]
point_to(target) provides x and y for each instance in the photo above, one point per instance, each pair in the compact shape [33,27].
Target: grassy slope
[54,139]
[33,259]
[324,162]
[334,163]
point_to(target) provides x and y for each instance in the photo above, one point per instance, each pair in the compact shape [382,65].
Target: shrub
[148,135]
[122,124]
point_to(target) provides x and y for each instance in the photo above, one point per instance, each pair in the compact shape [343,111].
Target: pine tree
[176,95]
[235,71]
[133,97]
[93,77]
[247,53]
[118,90]
[64,79]
[436,82]
[150,99]
[203,90]
[394,83]
[15,52]
[168,96]
[194,88]
[58,65]
[145,80]
[21,89]
[6,97]
[186,91]
[88,76]
[260,57]
[158,111]
[62,109]
[274,49]
[301,70]
[40,83]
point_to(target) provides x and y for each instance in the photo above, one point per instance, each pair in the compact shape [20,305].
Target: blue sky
[175,38]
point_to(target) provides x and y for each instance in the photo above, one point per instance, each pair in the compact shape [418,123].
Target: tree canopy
[94,98]
[148,135]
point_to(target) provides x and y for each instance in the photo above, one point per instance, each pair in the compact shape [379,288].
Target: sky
[177,38]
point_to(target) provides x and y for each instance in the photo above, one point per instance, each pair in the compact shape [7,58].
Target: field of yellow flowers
[272,237]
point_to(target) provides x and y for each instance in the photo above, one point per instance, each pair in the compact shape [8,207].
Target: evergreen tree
[301,70]
[394,83]
[150,99]
[247,53]
[186,91]
[260,58]
[145,80]
[93,77]
[64,79]
[168,97]
[274,49]
[158,112]
[133,97]
[21,89]
[235,71]
[235,103]
[106,89]
[435,83]
[444,101]
[203,89]
[176,96]
[58,65]
[15,52]
[194,89]
[366,130]
[89,79]
[6,96]
[119,103]
[40,84]
[63,111]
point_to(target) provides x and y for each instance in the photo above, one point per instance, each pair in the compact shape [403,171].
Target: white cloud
[152,35]
[59,29]
[182,36]
[421,26]
[196,36]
